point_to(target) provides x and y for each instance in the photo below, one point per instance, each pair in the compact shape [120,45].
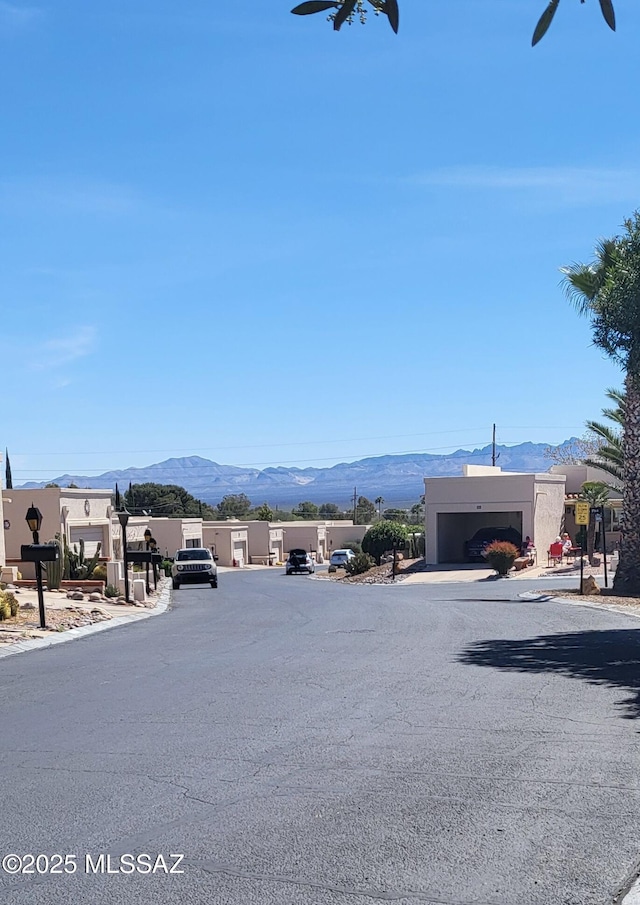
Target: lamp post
[147,542]
[123,518]
[34,521]
[153,544]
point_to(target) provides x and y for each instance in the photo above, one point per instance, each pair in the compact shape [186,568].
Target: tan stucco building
[266,542]
[229,541]
[576,476]
[486,496]
[74,513]
[343,534]
[170,534]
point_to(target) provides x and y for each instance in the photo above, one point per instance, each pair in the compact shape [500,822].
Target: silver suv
[194,565]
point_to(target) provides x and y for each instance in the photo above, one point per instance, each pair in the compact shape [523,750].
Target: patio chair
[554,555]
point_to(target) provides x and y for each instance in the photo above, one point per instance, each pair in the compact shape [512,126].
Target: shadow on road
[598,657]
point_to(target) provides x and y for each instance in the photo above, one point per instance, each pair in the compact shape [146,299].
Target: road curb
[21,647]
[542,596]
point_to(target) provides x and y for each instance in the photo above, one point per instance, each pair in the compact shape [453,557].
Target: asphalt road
[305,743]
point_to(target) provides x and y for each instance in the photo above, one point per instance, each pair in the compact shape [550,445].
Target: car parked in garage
[194,565]
[474,548]
[299,561]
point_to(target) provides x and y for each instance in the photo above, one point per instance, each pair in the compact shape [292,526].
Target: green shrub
[501,556]
[5,610]
[111,591]
[360,563]
[384,536]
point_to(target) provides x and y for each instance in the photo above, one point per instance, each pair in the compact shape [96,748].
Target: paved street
[306,743]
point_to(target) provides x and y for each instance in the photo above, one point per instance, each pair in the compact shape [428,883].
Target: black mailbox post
[38,553]
[139,556]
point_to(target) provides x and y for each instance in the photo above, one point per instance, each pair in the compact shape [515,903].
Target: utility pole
[493,447]
[355,502]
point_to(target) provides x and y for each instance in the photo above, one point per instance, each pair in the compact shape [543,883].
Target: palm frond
[608,434]
[612,470]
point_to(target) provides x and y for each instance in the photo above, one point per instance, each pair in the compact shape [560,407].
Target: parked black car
[299,561]
[474,548]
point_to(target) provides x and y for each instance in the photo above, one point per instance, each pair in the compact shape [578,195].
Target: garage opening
[454,528]
[92,535]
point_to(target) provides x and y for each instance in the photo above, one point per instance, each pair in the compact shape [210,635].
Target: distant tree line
[172,501]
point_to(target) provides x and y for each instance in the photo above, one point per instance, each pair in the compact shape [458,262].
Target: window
[193,554]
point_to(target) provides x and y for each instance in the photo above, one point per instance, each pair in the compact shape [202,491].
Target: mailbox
[39,552]
[139,556]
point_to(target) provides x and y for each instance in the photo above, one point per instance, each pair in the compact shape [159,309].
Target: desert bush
[5,610]
[12,602]
[360,563]
[111,591]
[501,556]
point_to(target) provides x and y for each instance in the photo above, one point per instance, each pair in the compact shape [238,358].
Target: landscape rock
[590,586]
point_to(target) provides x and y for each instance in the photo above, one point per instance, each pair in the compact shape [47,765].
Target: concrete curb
[20,647]
[611,607]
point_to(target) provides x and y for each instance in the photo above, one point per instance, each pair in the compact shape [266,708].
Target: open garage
[454,528]
[486,496]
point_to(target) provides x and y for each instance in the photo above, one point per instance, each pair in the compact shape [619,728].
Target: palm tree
[608,457]
[608,292]
[379,500]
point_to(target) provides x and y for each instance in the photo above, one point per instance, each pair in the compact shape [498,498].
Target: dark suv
[474,548]
[299,561]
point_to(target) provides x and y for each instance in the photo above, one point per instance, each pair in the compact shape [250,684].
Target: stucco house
[228,540]
[576,476]
[74,513]
[170,534]
[266,542]
[341,534]
[486,496]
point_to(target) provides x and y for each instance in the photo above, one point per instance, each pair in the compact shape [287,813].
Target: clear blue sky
[231,232]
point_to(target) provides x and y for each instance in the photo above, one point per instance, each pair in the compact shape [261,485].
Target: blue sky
[231,232]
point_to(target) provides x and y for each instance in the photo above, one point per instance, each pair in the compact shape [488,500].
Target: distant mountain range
[396,478]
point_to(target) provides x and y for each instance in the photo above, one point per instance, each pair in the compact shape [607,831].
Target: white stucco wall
[535,500]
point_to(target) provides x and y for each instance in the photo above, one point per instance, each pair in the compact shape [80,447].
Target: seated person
[566,544]
[527,547]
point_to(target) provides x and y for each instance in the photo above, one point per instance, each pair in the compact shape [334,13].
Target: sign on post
[582,513]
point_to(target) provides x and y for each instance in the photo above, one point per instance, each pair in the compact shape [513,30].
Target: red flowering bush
[501,556]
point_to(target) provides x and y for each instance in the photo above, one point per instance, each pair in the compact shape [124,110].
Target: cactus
[11,601]
[55,569]
[79,567]
[66,567]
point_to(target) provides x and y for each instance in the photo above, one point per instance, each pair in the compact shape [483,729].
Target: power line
[180,472]
[319,442]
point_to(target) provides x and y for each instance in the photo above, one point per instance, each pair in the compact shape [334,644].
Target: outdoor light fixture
[35,553]
[34,521]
